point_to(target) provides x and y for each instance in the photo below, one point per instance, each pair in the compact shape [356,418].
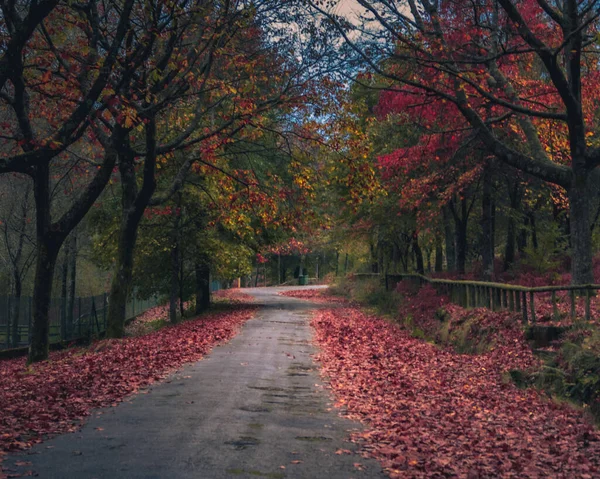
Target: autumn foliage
[431,412]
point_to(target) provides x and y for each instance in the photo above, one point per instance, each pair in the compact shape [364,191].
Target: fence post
[524,308]
[470,296]
[555,315]
[588,314]
[532,305]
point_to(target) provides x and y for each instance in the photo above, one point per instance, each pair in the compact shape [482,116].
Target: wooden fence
[500,296]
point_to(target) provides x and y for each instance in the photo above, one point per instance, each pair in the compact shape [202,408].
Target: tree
[50,95]
[501,65]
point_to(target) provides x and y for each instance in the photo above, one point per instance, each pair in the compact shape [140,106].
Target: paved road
[250,407]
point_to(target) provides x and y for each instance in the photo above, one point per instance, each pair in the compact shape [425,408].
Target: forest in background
[148,147]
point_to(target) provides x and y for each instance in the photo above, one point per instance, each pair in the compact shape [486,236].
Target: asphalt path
[254,407]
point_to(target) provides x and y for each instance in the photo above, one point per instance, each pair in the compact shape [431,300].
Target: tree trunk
[460,231]
[174,283]
[511,229]
[346,264]
[47,252]
[72,279]
[509,249]
[534,239]
[175,265]
[202,270]
[449,240]
[121,283]
[581,238]
[523,233]
[439,255]
[374,260]
[487,240]
[337,263]
[64,281]
[133,206]
[418,254]
[16,309]
[461,246]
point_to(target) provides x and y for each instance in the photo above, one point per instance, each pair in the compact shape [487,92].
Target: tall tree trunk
[439,255]
[509,248]
[418,254]
[133,206]
[461,246]
[16,309]
[374,261]
[581,237]
[449,240]
[173,297]
[72,278]
[64,282]
[202,270]
[131,215]
[17,273]
[511,229]
[346,264]
[487,240]
[337,263]
[47,248]
[460,231]
[175,254]
[534,238]
[523,234]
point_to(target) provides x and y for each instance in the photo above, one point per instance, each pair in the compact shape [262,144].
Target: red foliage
[435,413]
[49,397]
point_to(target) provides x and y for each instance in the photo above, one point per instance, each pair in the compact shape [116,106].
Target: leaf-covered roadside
[315,295]
[233,295]
[51,396]
[434,413]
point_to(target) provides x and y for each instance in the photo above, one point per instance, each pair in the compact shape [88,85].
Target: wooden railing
[500,296]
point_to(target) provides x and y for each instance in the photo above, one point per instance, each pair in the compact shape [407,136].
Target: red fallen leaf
[99,428]
[75,381]
[23,463]
[343,451]
[432,412]
[296,461]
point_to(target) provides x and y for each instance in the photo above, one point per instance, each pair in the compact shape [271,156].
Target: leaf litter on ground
[52,396]
[434,413]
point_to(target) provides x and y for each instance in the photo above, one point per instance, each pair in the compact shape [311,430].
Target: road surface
[255,407]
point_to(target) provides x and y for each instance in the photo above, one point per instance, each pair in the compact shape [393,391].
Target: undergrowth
[567,370]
